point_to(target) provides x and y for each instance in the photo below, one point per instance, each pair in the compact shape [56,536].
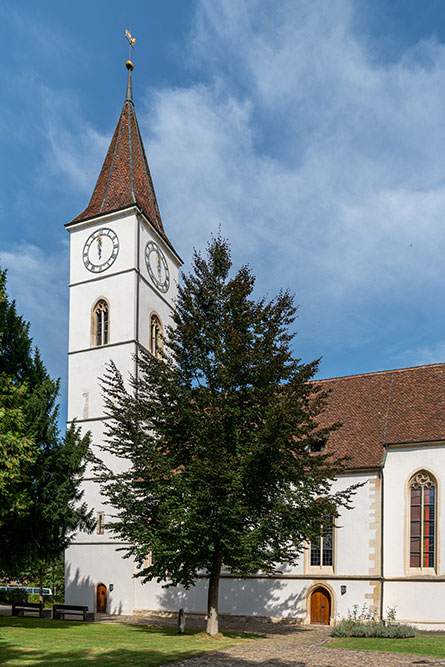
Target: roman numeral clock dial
[157,266]
[100,250]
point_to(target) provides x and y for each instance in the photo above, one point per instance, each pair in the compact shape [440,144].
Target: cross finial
[131,43]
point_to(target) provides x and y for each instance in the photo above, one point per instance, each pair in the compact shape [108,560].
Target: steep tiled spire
[125,178]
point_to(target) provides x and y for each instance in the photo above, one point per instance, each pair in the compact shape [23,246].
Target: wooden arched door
[101,599]
[320,606]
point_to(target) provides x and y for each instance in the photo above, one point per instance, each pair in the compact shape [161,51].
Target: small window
[100,323]
[100,523]
[422,521]
[155,336]
[318,446]
[322,553]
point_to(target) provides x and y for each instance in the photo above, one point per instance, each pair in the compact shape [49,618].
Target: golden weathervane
[131,43]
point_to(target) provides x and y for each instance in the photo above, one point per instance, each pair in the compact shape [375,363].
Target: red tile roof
[125,178]
[397,406]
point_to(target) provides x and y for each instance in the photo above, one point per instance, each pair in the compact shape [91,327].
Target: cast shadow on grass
[129,658]
[146,655]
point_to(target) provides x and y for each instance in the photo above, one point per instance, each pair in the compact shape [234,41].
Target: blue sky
[312,132]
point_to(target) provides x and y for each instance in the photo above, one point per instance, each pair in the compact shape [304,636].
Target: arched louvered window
[423,491]
[155,335]
[100,323]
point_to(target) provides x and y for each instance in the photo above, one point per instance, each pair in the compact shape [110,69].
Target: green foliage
[366,624]
[218,432]
[48,600]
[40,472]
[53,577]
[17,595]
[17,452]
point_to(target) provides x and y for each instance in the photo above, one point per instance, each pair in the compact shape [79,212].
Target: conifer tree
[218,430]
[40,472]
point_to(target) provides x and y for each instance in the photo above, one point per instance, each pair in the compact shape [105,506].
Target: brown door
[320,607]
[101,599]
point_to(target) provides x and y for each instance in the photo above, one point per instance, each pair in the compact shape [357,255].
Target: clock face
[100,250]
[157,266]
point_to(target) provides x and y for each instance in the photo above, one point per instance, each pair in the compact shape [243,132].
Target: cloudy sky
[312,132]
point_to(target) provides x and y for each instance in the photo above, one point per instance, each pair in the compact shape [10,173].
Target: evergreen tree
[17,452]
[40,472]
[218,432]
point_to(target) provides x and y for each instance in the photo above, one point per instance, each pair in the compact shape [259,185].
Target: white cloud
[78,155]
[74,148]
[325,169]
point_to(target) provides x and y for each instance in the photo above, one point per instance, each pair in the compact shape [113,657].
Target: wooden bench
[19,608]
[62,610]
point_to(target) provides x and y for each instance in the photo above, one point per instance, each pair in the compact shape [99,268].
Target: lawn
[33,641]
[428,644]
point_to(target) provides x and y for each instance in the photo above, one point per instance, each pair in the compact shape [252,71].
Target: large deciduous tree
[218,434]
[40,471]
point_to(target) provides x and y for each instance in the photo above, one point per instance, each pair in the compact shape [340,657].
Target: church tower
[123,278]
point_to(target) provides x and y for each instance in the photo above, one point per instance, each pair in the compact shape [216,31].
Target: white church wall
[120,293]
[97,430]
[148,305]
[97,503]
[401,464]
[104,565]
[85,399]
[255,596]
[357,547]
[419,602]
[123,224]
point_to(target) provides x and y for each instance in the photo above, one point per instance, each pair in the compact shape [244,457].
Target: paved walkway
[284,645]
[290,652]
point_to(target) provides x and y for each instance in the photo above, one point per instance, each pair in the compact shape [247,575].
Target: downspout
[382,518]
[382,534]
[138,280]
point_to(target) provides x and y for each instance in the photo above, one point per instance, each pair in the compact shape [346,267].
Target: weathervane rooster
[131,41]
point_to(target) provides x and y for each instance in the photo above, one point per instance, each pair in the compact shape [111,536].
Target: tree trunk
[41,585]
[212,601]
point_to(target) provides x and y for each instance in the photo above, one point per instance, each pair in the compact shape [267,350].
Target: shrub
[366,624]
[16,595]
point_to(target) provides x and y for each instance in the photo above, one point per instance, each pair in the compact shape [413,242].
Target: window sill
[422,572]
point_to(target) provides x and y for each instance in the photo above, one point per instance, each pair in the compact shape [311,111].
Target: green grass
[421,645]
[33,641]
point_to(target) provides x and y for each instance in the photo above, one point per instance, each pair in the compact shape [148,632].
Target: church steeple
[125,179]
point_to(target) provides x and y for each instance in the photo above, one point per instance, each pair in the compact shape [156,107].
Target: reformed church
[389,551]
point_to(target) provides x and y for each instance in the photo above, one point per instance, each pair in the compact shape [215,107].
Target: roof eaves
[79,220]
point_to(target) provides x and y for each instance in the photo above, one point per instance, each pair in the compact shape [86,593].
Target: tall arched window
[155,336]
[422,520]
[100,323]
